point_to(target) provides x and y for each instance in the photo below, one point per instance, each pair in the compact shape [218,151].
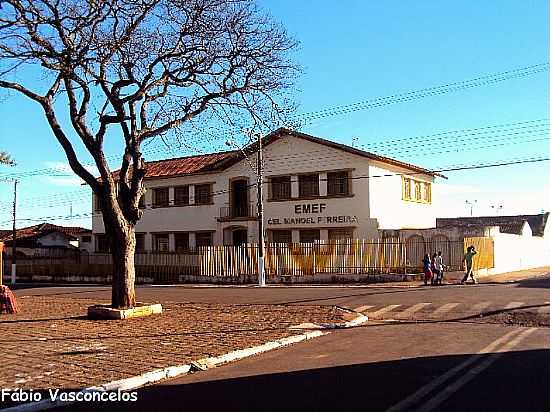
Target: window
[102,243]
[86,239]
[203,194]
[97,204]
[280,188]
[422,190]
[282,236]
[160,242]
[160,197]
[141,203]
[337,184]
[417,191]
[182,242]
[308,185]
[181,195]
[309,235]
[203,239]
[427,192]
[340,234]
[140,242]
[406,188]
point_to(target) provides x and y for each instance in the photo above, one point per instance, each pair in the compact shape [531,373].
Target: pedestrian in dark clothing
[427,268]
[468,261]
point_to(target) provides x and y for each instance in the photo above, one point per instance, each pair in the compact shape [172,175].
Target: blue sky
[356,50]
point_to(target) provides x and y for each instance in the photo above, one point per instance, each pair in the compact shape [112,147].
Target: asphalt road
[459,300]
[373,368]
[454,362]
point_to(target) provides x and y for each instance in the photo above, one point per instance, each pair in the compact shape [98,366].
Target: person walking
[468,261]
[435,272]
[427,269]
[439,267]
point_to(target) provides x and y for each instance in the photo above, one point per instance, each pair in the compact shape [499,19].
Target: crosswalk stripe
[413,309]
[481,306]
[445,308]
[379,312]
[363,308]
[545,308]
[513,305]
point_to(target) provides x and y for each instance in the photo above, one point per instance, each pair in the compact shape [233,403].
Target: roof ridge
[191,156]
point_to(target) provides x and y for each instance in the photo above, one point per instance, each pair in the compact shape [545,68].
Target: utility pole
[14,236]
[260,203]
[261,243]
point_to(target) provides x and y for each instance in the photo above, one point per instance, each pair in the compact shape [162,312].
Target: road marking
[414,398]
[449,390]
[513,305]
[379,312]
[413,309]
[445,308]
[363,308]
[481,306]
[544,309]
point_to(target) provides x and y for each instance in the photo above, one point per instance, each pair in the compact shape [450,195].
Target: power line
[70,197]
[502,163]
[362,105]
[499,128]
[431,91]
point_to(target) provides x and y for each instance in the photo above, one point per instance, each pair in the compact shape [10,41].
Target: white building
[314,189]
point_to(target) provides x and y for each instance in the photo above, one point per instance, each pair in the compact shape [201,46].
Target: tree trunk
[124,272]
[123,246]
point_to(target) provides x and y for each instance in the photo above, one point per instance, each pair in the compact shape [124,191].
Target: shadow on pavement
[80,317]
[538,282]
[515,382]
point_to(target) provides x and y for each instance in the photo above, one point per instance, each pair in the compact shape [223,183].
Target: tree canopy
[142,69]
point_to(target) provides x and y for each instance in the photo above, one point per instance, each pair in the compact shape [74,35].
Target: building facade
[314,189]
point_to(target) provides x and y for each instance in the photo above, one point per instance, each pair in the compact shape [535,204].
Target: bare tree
[136,69]
[5,159]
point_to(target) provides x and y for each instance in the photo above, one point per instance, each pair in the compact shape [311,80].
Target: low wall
[517,252]
[317,278]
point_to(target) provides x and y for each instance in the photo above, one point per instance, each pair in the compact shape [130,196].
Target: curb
[357,321]
[206,363]
[157,375]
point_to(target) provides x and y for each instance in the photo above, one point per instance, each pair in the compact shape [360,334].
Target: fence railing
[356,257]
[237,212]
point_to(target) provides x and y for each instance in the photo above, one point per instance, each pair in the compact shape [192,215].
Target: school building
[315,189]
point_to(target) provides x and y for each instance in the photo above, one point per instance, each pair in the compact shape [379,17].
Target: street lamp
[260,207]
[496,208]
[471,204]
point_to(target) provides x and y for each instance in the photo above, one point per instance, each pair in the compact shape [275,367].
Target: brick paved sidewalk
[49,344]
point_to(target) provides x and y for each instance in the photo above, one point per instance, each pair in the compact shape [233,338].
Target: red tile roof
[219,161]
[187,165]
[42,229]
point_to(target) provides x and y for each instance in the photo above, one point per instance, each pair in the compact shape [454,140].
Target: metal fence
[357,256]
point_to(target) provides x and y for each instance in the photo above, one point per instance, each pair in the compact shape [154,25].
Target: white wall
[371,206]
[520,252]
[387,205]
